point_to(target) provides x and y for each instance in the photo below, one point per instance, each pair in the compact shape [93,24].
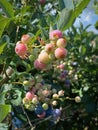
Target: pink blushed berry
[49,47]
[61,66]
[55,34]
[29,95]
[25,38]
[44,57]
[21,49]
[61,42]
[60,53]
[39,65]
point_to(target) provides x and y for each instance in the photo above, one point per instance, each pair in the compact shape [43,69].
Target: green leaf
[7,8]
[82,50]
[64,18]
[2,98]
[90,107]
[68,4]
[17,101]
[81,6]
[3,126]
[61,4]
[3,22]
[67,16]
[4,110]
[2,46]
[96,25]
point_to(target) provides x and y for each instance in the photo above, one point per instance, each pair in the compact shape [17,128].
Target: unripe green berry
[55,96]
[31,58]
[77,99]
[54,103]
[26,83]
[45,106]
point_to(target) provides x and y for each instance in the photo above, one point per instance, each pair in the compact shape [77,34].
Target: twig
[66,118]
[46,119]
[17,30]
[27,117]
[66,107]
[8,73]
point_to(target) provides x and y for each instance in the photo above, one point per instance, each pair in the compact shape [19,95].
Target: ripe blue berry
[39,110]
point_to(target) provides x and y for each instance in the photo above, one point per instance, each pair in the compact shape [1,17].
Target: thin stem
[66,107]
[48,118]
[27,117]
[16,83]
[38,46]
[70,98]
[17,30]
[66,118]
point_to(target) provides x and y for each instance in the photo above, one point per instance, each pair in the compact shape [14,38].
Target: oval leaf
[64,18]
[7,8]
[67,16]
[4,110]
[3,22]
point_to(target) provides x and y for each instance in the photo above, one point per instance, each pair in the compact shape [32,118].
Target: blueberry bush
[48,67]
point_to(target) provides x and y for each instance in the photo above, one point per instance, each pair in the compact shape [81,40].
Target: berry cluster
[54,50]
[40,96]
[21,47]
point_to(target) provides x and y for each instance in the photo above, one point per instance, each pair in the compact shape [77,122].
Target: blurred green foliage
[18,17]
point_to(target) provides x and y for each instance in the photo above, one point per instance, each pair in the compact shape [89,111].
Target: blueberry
[57,112]
[39,110]
[67,82]
[49,111]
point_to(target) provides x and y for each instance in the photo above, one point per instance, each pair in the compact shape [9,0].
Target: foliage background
[18,17]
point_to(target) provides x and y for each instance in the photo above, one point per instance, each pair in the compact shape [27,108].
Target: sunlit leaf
[67,16]
[17,100]
[68,4]
[3,22]
[4,110]
[64,18]
[7,8]
[3,126]
[2,46]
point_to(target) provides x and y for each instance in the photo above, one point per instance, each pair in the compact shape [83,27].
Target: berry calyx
[49,47]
